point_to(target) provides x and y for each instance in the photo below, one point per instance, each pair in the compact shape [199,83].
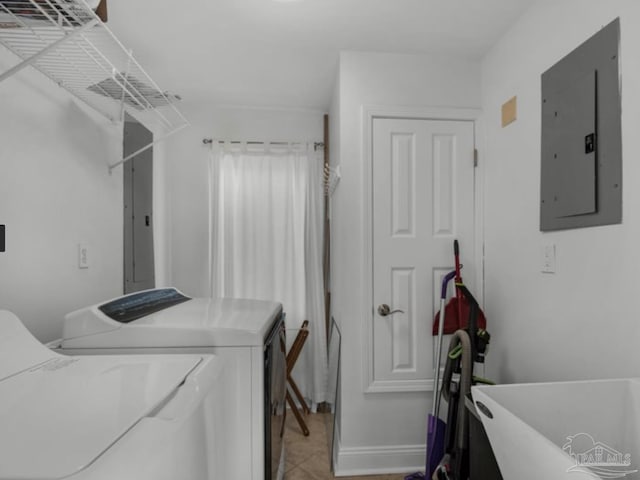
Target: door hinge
[475,157]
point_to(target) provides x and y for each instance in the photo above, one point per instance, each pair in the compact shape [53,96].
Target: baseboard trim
[353,461]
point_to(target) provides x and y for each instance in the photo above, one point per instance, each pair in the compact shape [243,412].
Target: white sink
[564,430]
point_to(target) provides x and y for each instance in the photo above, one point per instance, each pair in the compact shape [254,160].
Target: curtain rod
[209,141]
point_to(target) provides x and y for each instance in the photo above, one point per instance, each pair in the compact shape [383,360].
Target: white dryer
[248,335]
[104,417]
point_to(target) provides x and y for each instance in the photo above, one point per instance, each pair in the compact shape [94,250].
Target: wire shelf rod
[146,147]
[209,141]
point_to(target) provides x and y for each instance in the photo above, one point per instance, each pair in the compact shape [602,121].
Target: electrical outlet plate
[549,259]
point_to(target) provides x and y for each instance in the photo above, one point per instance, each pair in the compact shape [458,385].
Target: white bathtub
[564,430]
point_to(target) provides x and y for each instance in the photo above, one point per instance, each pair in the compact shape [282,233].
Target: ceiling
[284,54]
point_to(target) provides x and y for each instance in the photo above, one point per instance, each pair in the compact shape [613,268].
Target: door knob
[384,310]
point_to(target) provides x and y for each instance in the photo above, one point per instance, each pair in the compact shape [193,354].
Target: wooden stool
[292,357]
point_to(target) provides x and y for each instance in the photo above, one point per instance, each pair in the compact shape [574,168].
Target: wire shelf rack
[67,42]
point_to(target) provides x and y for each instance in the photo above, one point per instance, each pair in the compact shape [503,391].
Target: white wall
[581,322]
[188,175]
[56,192]
[378,431]
[161,216]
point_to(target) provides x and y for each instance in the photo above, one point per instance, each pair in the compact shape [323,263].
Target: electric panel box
[581,154]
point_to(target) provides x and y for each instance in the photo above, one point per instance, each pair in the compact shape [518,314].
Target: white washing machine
[248,336]
[128,417]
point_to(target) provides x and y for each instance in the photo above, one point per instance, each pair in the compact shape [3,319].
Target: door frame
[369,114]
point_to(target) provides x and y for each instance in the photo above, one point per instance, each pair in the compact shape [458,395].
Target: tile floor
[308,457]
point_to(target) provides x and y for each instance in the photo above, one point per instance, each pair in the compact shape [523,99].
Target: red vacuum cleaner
[468,346]
[458,309]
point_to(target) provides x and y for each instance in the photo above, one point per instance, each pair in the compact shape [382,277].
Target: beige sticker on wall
[509,110]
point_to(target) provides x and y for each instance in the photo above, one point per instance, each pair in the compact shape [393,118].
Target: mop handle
[436,382]
[443,291]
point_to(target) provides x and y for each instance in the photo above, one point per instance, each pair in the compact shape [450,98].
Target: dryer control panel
[137,305]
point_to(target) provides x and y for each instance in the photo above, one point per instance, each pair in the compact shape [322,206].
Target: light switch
[549,259]
[83,256]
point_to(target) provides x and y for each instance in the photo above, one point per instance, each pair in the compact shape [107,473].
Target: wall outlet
[83,256]
[549,259]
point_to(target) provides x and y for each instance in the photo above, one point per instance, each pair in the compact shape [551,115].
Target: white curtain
[266,241]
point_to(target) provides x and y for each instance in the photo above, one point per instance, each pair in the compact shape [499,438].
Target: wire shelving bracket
[66,41]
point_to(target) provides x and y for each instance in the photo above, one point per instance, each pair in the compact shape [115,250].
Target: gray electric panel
[581,155]
[139,268]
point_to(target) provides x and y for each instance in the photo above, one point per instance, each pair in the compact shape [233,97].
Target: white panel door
[423,199]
